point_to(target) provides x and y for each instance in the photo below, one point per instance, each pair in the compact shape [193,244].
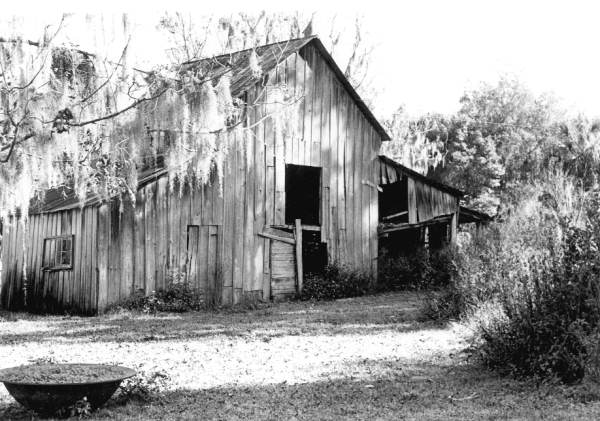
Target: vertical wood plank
[228,221]
[127,249]
[259,199]
[299,262]
[103,243]
[212,264]
[238,227]
[162,232]
[149,243]
[139,236]
[248,273]
[94,262]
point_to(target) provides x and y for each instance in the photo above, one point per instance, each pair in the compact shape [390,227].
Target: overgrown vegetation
[178,297]
[336,281]
[421,270]
[536,275]
[143,387]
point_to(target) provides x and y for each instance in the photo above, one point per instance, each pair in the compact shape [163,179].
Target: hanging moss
[62,64]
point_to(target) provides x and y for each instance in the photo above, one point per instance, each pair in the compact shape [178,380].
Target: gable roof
[242,79]
[413,174]
[269,56]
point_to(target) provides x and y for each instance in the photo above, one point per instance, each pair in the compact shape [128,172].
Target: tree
[344,38]
[417,144]
[71,118]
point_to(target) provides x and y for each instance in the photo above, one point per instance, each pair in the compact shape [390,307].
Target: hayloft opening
[302,194]
[393,201]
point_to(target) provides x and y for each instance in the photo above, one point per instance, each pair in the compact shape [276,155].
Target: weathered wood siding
[210,235]
[73,290]
[332,133]
[425,201]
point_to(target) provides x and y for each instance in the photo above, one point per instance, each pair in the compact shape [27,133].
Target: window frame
[58,253]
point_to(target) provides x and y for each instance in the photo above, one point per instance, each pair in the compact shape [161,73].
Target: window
[58,252]
[302,194]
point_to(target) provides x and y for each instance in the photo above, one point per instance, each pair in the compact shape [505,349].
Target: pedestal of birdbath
[47,388]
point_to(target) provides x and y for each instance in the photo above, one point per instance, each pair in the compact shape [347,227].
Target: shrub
[420,270]
[449,303]
[539,264]
[336,281]
[177,298]
[143,387]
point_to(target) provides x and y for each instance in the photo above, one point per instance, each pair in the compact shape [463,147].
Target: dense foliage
[503,136]
[178,297]
[420,270]
[336,281]
[528,283]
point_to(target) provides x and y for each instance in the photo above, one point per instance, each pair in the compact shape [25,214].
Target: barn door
[283,270]
[201,261]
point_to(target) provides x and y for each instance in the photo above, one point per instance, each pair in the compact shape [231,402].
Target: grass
[361,358]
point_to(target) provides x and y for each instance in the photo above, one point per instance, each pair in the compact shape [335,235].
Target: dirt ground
[364,358]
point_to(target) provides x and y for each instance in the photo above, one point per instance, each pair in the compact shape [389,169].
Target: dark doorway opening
[314,252]
[393,201]
[302,194]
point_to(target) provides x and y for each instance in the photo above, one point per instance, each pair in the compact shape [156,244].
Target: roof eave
[348,86]
[452,190]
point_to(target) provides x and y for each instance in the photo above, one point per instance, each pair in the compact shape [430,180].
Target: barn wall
[50,291]
[168,236]
[331,133]
[335,135]
[425,201]
[146,246]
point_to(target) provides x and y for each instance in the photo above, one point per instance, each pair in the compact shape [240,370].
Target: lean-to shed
[414,210]
[283,204]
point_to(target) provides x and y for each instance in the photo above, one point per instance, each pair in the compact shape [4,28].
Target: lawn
[364,358]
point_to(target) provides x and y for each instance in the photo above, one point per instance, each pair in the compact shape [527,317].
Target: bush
[177,298]
[143,387]
[539,265]
[447,304]
[542,346]
[335,282]
[420,270]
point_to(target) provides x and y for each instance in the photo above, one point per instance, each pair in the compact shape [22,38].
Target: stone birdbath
[47,388]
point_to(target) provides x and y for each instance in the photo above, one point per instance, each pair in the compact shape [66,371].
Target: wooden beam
[304,227]
[395,215]
[299,268]
[386,228]
[277,238]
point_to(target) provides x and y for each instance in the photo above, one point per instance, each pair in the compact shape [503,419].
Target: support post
[299,269]
[453,226]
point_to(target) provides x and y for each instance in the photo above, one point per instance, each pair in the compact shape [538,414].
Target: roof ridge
[198,60]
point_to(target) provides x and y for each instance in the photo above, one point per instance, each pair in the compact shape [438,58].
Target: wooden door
[283,270]
[201,261]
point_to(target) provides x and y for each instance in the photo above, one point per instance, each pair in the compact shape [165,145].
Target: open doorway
[302,194]
[393,202]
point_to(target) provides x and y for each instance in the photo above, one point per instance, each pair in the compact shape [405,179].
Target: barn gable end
[217,237]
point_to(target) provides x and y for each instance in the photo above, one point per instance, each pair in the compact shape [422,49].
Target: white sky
[428,52]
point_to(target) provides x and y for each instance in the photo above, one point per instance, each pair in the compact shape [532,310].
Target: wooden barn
[414,210]
[284,206]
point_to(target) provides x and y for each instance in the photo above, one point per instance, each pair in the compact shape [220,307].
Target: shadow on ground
[365,315]
[423,392]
